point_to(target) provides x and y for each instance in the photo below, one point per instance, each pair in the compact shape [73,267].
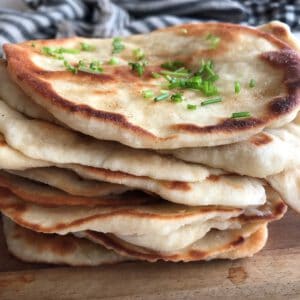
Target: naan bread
[15,97]
[110,105]
[149,219]
[267,153]
[35,247]
[186,235]
[226,190]
[45,195]
[230,244]
[287,184]
[223,190]
[15,160]
[49,142]
[59,145]
[31,246]
[70,182]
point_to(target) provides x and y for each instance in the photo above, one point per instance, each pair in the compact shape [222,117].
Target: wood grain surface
[274,273]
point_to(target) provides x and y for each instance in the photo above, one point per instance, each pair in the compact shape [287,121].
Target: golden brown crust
[261,139]
[17,208]
[239,246]
[47,196]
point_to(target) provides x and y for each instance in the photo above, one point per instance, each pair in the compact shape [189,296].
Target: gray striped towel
[105,18]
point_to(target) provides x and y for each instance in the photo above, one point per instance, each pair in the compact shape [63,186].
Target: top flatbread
[110,105]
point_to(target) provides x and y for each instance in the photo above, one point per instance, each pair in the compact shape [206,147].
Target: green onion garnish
[147,94]
[117,45]
[211,101]
[138,67]
[33,45]
[57,52]
[138,54]
[87,47]
[70,68]
[237,87]
[191,106]
[252,83]
[172,65]
[177,98]
[113,61]
[213,40]
[52,52]
[161,97]
[67,50]
[155,75]
[242,114]
[175,73]
[95,66]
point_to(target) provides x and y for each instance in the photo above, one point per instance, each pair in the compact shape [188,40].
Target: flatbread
[148,219]
[15,97]
[230,244]
[264,154]
[110,105]
[35,247]
[15,160]
[225,190]
[31,246]
[70,182]
[214,187]
[287,184]
[45,195]
[49,142]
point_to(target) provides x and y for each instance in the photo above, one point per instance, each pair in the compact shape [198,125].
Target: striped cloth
[105,18]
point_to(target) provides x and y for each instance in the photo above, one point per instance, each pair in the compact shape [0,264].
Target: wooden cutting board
[274,273]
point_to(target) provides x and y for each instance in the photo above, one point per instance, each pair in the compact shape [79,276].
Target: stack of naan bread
[93,171]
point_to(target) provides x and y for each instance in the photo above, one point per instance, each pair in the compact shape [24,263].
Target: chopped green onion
[138,67]
[172,65]
[70,68]
[57,52]
[138,54]
[211,101]
[191,106]
[87,47]
[95,66]
[161,97]
[175,73]
[147,94]
[213,40]
[177,98]
[252,83]
[237,87]
[113,61]
[33,45]
[52,52]
[81,64]
[67,50]
[155,75]
[117,45]
[242,114]
[179,77]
